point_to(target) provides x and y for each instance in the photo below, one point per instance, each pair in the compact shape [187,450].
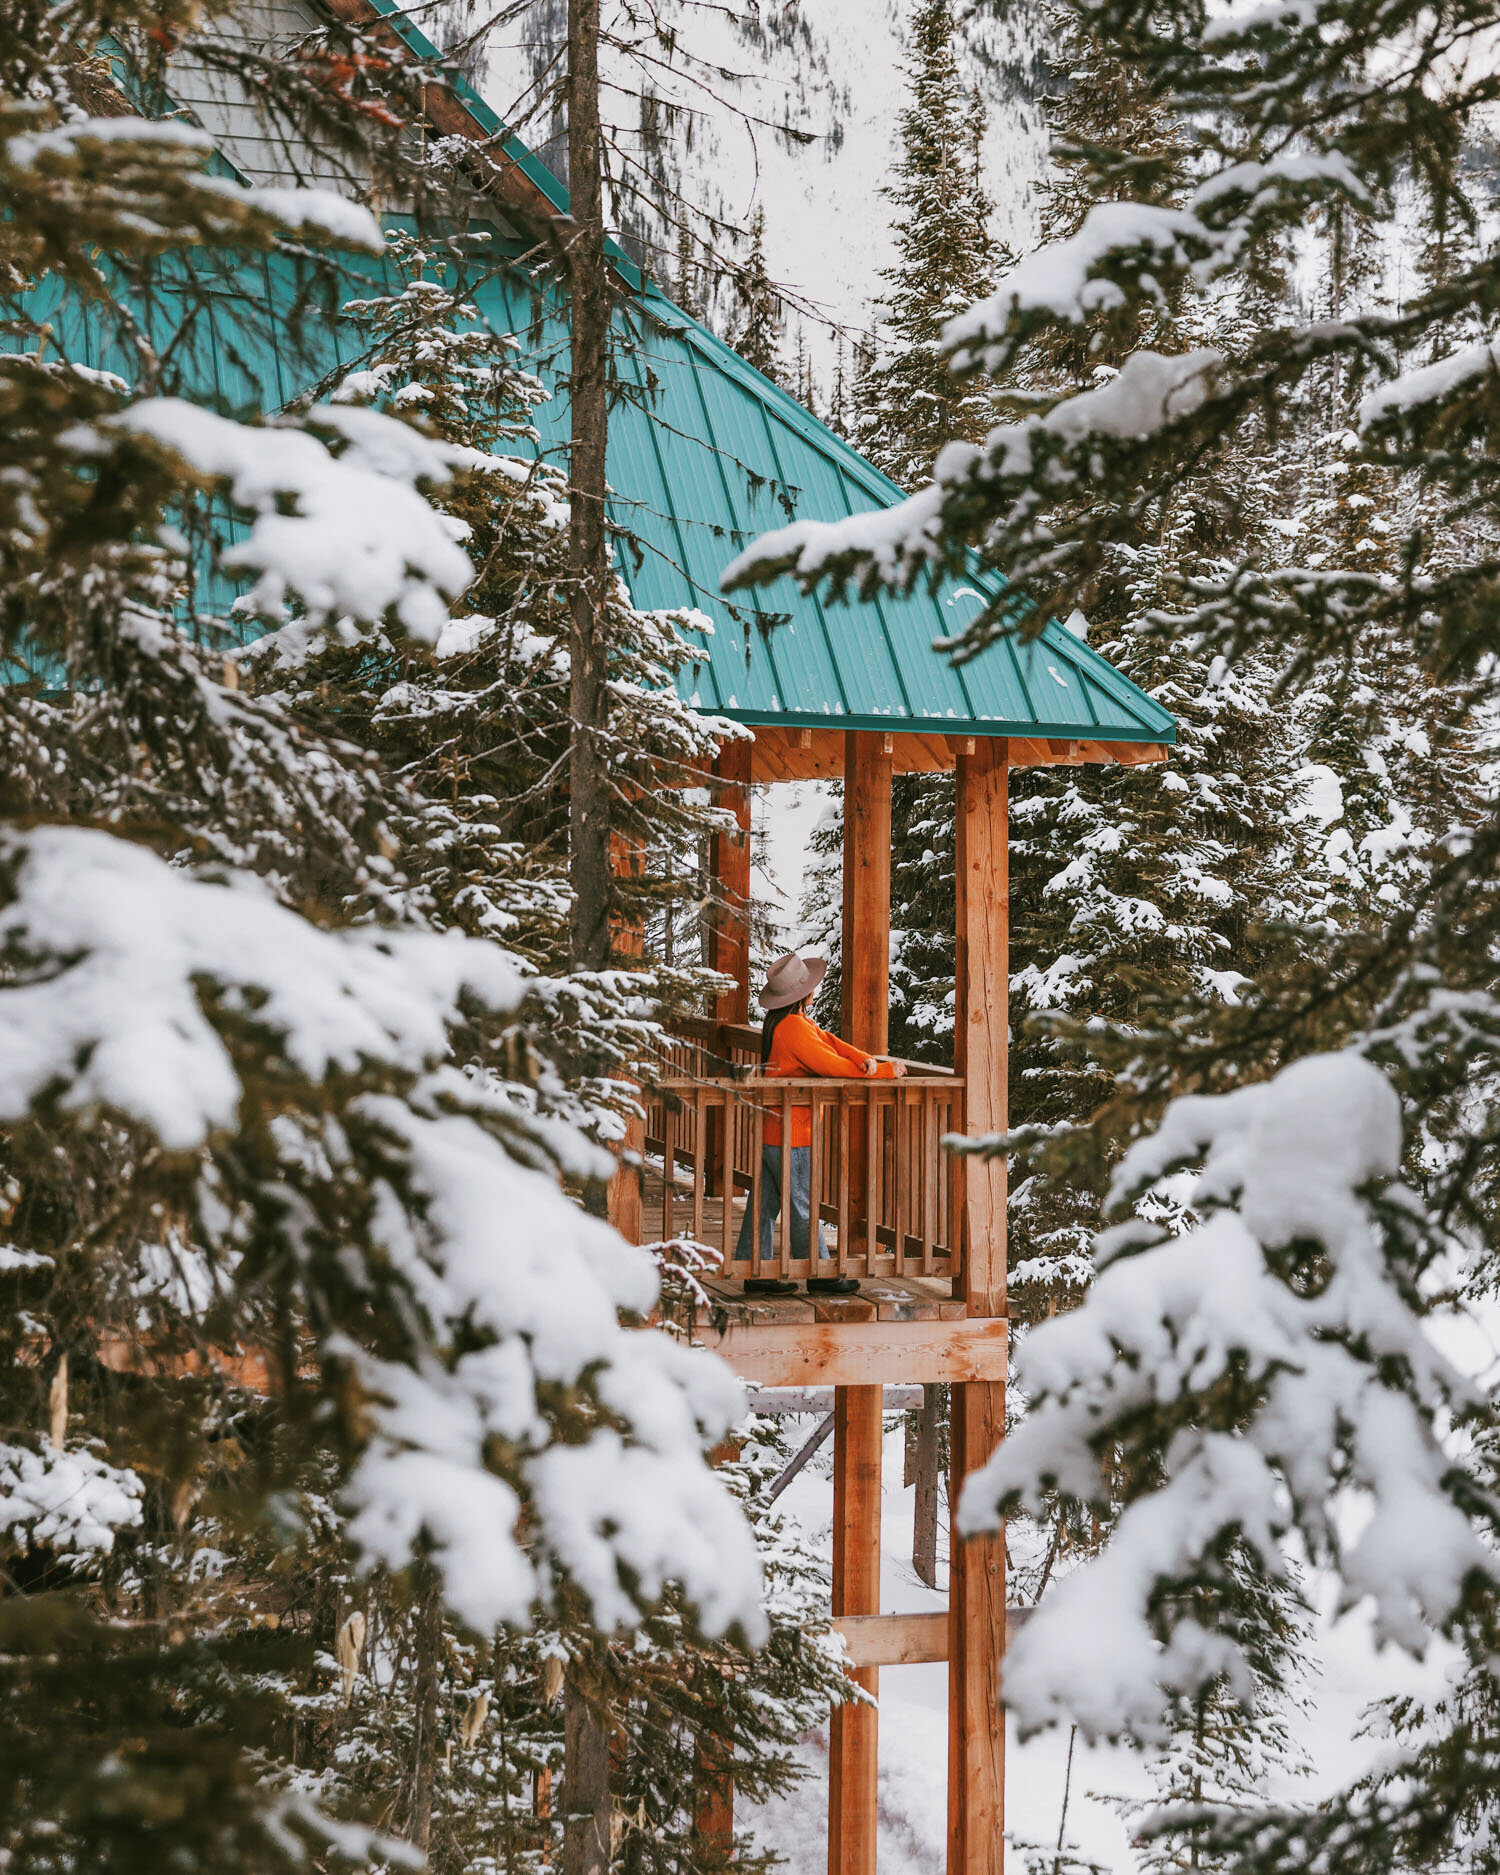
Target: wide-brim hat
[791,978]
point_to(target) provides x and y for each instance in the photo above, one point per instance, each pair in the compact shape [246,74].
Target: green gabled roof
[705,456]
[712,455]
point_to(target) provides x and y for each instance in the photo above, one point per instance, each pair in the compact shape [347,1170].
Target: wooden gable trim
[441,107]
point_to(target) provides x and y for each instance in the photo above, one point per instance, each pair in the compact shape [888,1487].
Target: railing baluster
[726,1102]
[844,1123]
[752,1203]
[700,1133]
[667,1155]
[784,1220]
[814,1186]
[873,1159]
[931,1175]
[958,1244]
[901,1167]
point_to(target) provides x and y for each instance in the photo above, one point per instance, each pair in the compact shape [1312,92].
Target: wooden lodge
[709,455]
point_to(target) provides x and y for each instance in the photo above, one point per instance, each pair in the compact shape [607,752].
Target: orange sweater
[798,1048]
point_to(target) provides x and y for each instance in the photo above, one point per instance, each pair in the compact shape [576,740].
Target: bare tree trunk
[429,1637]
[585,1804]
[588,780]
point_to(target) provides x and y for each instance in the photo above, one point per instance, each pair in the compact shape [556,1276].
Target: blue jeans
[800,1183]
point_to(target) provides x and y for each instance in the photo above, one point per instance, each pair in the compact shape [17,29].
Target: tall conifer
[757,333]
[910,401]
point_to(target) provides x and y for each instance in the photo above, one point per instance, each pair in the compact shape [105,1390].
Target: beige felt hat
[791,978]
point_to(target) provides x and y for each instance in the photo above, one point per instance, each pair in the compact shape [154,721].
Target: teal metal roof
[705,455]
[712,454]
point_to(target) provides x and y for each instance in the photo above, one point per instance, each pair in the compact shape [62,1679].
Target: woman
[792,1044]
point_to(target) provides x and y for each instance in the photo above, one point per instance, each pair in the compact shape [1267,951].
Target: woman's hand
[900,1070]
[869,1065]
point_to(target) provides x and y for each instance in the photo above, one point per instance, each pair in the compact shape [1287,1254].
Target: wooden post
[865,986]
[925,1477]
[865,960]
[865,967]
[852,1786]
[729,951]
[976,1592]
[730,863]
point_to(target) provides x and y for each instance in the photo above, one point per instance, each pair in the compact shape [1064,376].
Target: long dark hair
[768,1027]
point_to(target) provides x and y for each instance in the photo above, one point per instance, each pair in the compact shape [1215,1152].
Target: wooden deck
[880,1299]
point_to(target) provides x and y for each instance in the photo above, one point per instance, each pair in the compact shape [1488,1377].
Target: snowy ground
[1344,1677]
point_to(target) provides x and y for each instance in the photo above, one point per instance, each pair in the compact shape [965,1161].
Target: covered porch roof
[705,455]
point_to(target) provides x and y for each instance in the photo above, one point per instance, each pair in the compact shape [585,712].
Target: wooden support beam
[857,1426]
[730,863]
[729,949]
[926,1468]
[804,754]
[852,1793]
[863,1354]
[976,1592]
[903,1640]
[865,964]
[982,1021]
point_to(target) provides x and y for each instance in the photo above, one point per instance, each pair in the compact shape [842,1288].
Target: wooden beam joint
[905,1640]
[865,1354]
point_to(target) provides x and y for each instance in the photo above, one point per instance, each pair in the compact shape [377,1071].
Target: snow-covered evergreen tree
[910,402]
[757,329]
[1233,1739]
[477,725]
[292,1284]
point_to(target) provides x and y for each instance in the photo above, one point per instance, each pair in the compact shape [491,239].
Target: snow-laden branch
[1434,384]
[344,528]
[1278,1342]
[518,1401]
[148,180]
[1056,449]
[1002,491]
[68,1502]
[1132,250]
[113,955]
[500,1248]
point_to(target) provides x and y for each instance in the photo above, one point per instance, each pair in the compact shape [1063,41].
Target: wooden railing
[886,1194]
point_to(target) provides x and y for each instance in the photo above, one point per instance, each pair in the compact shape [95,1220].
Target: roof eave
[954,726]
